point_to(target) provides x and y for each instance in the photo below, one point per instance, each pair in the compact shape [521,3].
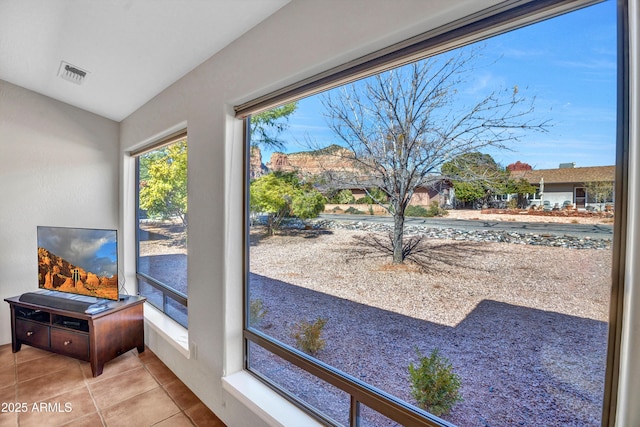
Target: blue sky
[567,63]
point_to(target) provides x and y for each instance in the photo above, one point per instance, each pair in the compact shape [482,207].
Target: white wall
[59,167]
[558,193]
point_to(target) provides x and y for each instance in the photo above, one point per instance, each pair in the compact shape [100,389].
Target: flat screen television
[82,261]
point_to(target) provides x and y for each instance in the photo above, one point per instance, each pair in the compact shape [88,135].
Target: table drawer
[70,343]
[30,333]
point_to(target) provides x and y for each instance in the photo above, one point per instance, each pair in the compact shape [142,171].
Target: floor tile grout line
[53,397]
[169,395]
[155,380]
[42,375]
[93,399]
[78,365]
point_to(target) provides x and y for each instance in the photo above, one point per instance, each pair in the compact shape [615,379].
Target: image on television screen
[81,261]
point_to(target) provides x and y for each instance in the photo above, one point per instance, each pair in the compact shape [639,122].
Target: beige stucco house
[582,187]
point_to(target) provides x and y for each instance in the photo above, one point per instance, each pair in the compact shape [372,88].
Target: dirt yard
[525,327]
[559,217]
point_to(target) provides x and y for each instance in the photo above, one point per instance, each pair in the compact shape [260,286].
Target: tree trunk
[397,238]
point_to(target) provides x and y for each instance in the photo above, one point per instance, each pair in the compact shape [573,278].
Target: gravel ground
[524,326]
[583,218]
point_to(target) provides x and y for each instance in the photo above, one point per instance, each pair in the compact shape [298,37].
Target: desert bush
[413,210]
[436,210]
[308,336]
[420,211]
[307,203]
[353,211]
[256,312]
[341,197]
[434,385]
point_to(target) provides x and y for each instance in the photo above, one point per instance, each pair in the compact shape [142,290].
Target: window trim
[620,229]
[487,23]
[382,402]
[167,140]
[506,16]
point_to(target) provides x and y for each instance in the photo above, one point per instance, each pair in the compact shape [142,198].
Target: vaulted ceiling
[130,50]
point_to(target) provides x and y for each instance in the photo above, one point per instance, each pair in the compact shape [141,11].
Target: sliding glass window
[161,190]
[433,244]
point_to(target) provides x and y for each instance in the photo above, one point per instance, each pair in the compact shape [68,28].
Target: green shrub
[353,211]
[421,211]
[341,197]
[413,210]
[434,385]
[308,336]
[256,312]
[307,204]
[436,210]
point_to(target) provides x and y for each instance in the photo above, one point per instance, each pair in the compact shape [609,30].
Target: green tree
[267,126]
[163,182]
[469,192]
[344,196]
[522,188]
[307,203]
[281,195]
[476,177]
[599,192]
[271,195]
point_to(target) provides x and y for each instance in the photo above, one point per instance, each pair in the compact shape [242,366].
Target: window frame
[488,23]
[168,292]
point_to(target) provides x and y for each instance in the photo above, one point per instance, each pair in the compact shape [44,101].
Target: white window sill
[174,333]
[274,409]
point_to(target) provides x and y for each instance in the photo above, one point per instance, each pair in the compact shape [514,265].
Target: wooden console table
[95,338]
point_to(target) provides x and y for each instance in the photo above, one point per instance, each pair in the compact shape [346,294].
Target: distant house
[582,187]
[440,192]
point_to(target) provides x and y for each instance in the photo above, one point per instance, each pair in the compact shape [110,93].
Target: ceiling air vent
[71,73]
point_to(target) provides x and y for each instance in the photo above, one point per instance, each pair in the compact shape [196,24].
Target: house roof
[568,175]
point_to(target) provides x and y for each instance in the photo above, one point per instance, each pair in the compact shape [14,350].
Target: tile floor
[38,388]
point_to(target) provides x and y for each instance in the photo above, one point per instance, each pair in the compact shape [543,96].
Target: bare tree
[402,125]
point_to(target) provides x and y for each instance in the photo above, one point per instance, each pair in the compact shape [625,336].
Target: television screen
[78,260]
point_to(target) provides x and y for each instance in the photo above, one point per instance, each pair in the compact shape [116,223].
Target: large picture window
[161,190]
[390,281]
